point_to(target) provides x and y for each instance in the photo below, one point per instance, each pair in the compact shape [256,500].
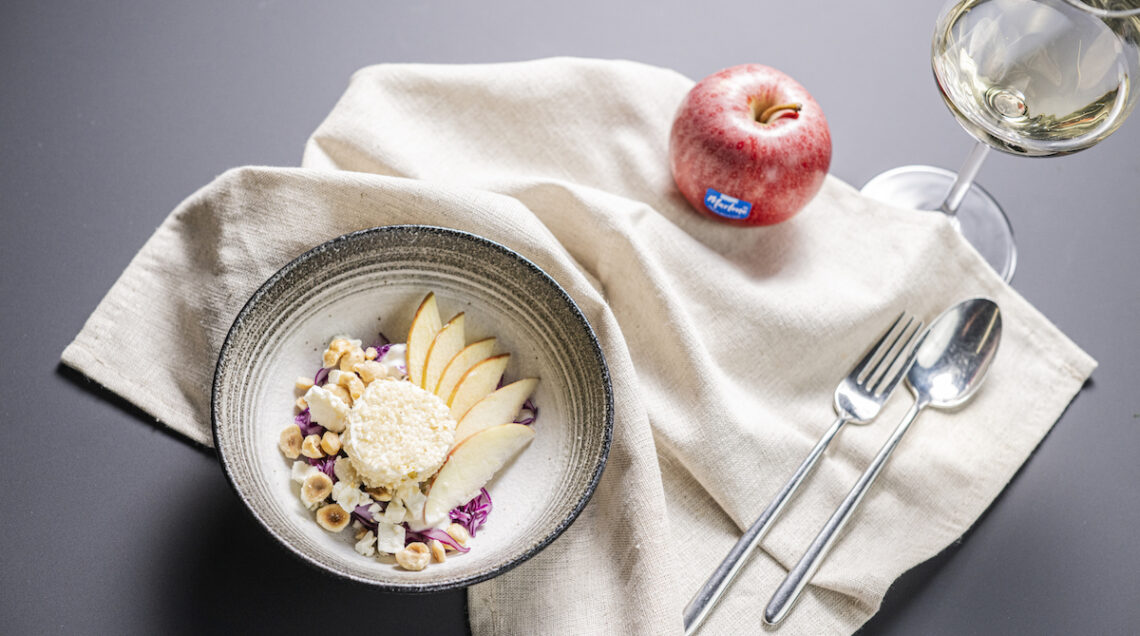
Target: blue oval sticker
[726,206]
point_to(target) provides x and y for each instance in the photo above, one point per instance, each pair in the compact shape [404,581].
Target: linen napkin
[725,343]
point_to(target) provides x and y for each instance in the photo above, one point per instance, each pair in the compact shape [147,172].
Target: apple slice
[447,343]
[470,466]
[471,355]
[497,408]
[479,382]
[425,325]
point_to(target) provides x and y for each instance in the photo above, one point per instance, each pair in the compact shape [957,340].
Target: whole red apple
[749,145]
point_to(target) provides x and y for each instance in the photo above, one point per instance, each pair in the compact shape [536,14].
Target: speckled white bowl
[372,281]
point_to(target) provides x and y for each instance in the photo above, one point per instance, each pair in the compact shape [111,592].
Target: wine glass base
[980,219]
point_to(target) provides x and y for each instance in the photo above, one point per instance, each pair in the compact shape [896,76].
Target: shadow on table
[223,573]
[899,601]
[229,575]
[92,388]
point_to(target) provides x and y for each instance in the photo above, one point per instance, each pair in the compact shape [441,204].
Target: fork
[858,399]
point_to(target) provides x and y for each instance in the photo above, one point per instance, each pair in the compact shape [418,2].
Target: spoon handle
[797,579]
[705,598]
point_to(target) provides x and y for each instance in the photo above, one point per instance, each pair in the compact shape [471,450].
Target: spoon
[949,367]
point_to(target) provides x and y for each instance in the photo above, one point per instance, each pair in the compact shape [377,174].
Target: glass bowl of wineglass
[1035,78]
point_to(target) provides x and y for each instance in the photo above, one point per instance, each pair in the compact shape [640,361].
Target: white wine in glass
[1028,77]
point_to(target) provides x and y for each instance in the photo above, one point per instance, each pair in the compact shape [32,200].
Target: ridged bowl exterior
[371,281]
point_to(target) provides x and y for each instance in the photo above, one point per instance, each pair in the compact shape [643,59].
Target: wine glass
[1028,77]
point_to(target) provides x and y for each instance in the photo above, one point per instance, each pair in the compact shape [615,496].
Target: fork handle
[798,578]
[704,600]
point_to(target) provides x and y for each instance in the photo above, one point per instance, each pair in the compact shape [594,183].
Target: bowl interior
[371,282]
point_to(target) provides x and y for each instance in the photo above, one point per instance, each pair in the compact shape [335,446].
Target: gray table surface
[113,112]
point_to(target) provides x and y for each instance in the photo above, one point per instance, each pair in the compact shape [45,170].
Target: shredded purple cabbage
[473,514]
[527,414]
[411,536]
[381,345]
[308,427]
[325,465]
[321,376]
[361,514]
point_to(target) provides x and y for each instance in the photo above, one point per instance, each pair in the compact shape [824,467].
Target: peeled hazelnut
[414,557]
[330,443]
[437,550]
[459,533]
[379,493]
[333,518]
[311,447]
[290,442]
[350,359]
[315,489]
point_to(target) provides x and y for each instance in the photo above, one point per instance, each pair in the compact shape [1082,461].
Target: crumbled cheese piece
[344,471]
[394,513]
[367,544]
[302,470]
[397,433]
[349,496]
[326,409]
[395,361]
[414,502]
[389,537]
[376,512]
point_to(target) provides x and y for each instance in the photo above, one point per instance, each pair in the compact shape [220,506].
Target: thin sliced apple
[471,355]
[479,382]
[497,408]
[425,325]
[470,466]
[447,343]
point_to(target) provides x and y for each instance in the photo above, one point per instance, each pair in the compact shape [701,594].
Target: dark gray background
[113,112]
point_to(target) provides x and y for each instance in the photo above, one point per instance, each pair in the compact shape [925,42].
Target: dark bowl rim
[332,244]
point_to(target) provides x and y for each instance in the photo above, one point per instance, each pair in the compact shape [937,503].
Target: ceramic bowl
[372,281]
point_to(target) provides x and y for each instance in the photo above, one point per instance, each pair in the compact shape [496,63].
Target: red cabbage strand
[308,427]
[321,376]
[473,514]
[361,514]
[527,414]
[423,536]
[325,465]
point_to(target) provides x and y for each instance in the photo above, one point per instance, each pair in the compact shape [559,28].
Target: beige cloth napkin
[724,343]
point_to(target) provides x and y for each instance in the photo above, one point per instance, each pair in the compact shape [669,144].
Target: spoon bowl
[956,354]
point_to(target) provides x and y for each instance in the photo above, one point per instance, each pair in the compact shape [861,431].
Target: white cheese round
[397,433]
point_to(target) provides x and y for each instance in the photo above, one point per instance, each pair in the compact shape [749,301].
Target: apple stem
[766,117]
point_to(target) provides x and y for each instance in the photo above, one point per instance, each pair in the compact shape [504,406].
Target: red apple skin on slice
[480,381]
[425,326]
[469,467]
[446,345]
[471,355]
[497,408]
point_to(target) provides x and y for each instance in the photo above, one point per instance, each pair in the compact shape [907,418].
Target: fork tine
[883,353]
[874,377]
[874,350]
[913,348]
[890,373]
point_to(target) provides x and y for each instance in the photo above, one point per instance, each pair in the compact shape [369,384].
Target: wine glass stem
[964,179]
